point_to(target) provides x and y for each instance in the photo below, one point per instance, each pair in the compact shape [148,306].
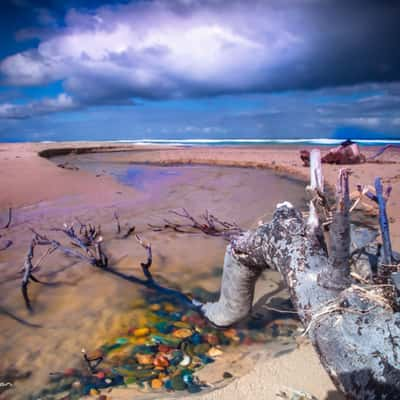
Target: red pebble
[211,339]
[197,321]
[162,348]
[161,361]
[100,375]
[131,330]
[69,372]
[247,341]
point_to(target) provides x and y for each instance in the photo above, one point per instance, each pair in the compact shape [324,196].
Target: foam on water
[238,142]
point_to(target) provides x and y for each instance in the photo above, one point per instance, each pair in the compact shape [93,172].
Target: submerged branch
[87,246]
[5,245]
[129,230]
[9,220]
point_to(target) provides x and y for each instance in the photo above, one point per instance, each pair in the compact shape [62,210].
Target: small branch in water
[128,232]
[146,265]
[89,242]
[94,257]
[208,224]
[9,220]
[93,254]
[87,236]
[18,319]
[5,245]
[28,274]
[116,217]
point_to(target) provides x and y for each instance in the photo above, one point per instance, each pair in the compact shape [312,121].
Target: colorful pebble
[140,332]
[163,348]
[156,384]
[144,358]
[182,333]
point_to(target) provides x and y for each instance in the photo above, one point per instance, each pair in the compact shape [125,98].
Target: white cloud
[154,50]
[62,102]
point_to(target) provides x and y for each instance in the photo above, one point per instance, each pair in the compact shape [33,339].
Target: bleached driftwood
[353,326]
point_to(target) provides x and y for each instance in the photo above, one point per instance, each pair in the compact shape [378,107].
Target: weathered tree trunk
[337,275]
[354,330]
[237,291]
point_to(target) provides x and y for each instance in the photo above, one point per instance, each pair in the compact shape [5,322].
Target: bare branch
[9,220]
[207,224]
[146,265]
[382,150]
[94,255]
[129,230]
[18,319]
[28,275]
[384,222]
[116,217]
[5,245]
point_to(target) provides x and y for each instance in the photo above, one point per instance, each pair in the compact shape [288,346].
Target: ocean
[248,142]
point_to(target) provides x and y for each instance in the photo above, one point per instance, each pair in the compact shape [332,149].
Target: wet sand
[88,307]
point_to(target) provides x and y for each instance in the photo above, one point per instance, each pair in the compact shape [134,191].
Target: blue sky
[104,70]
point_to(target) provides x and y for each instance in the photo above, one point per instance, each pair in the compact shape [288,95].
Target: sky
[184,69]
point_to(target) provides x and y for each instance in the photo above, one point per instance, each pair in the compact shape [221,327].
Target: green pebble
[171,369]
[178,383]
[188,348]
[163,327]
[122,340]
[143,349]
[201,348]
[129,380]
[109,347]
[181,324]
[166,339]
[142,374]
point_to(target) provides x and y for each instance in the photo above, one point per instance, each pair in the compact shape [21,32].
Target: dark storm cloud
[192,48]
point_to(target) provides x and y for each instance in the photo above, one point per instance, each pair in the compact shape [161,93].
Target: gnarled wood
[353,327]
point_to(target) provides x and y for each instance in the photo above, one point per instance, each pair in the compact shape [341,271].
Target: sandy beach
[43,195]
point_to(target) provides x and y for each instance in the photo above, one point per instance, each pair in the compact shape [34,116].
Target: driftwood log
[354,326]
